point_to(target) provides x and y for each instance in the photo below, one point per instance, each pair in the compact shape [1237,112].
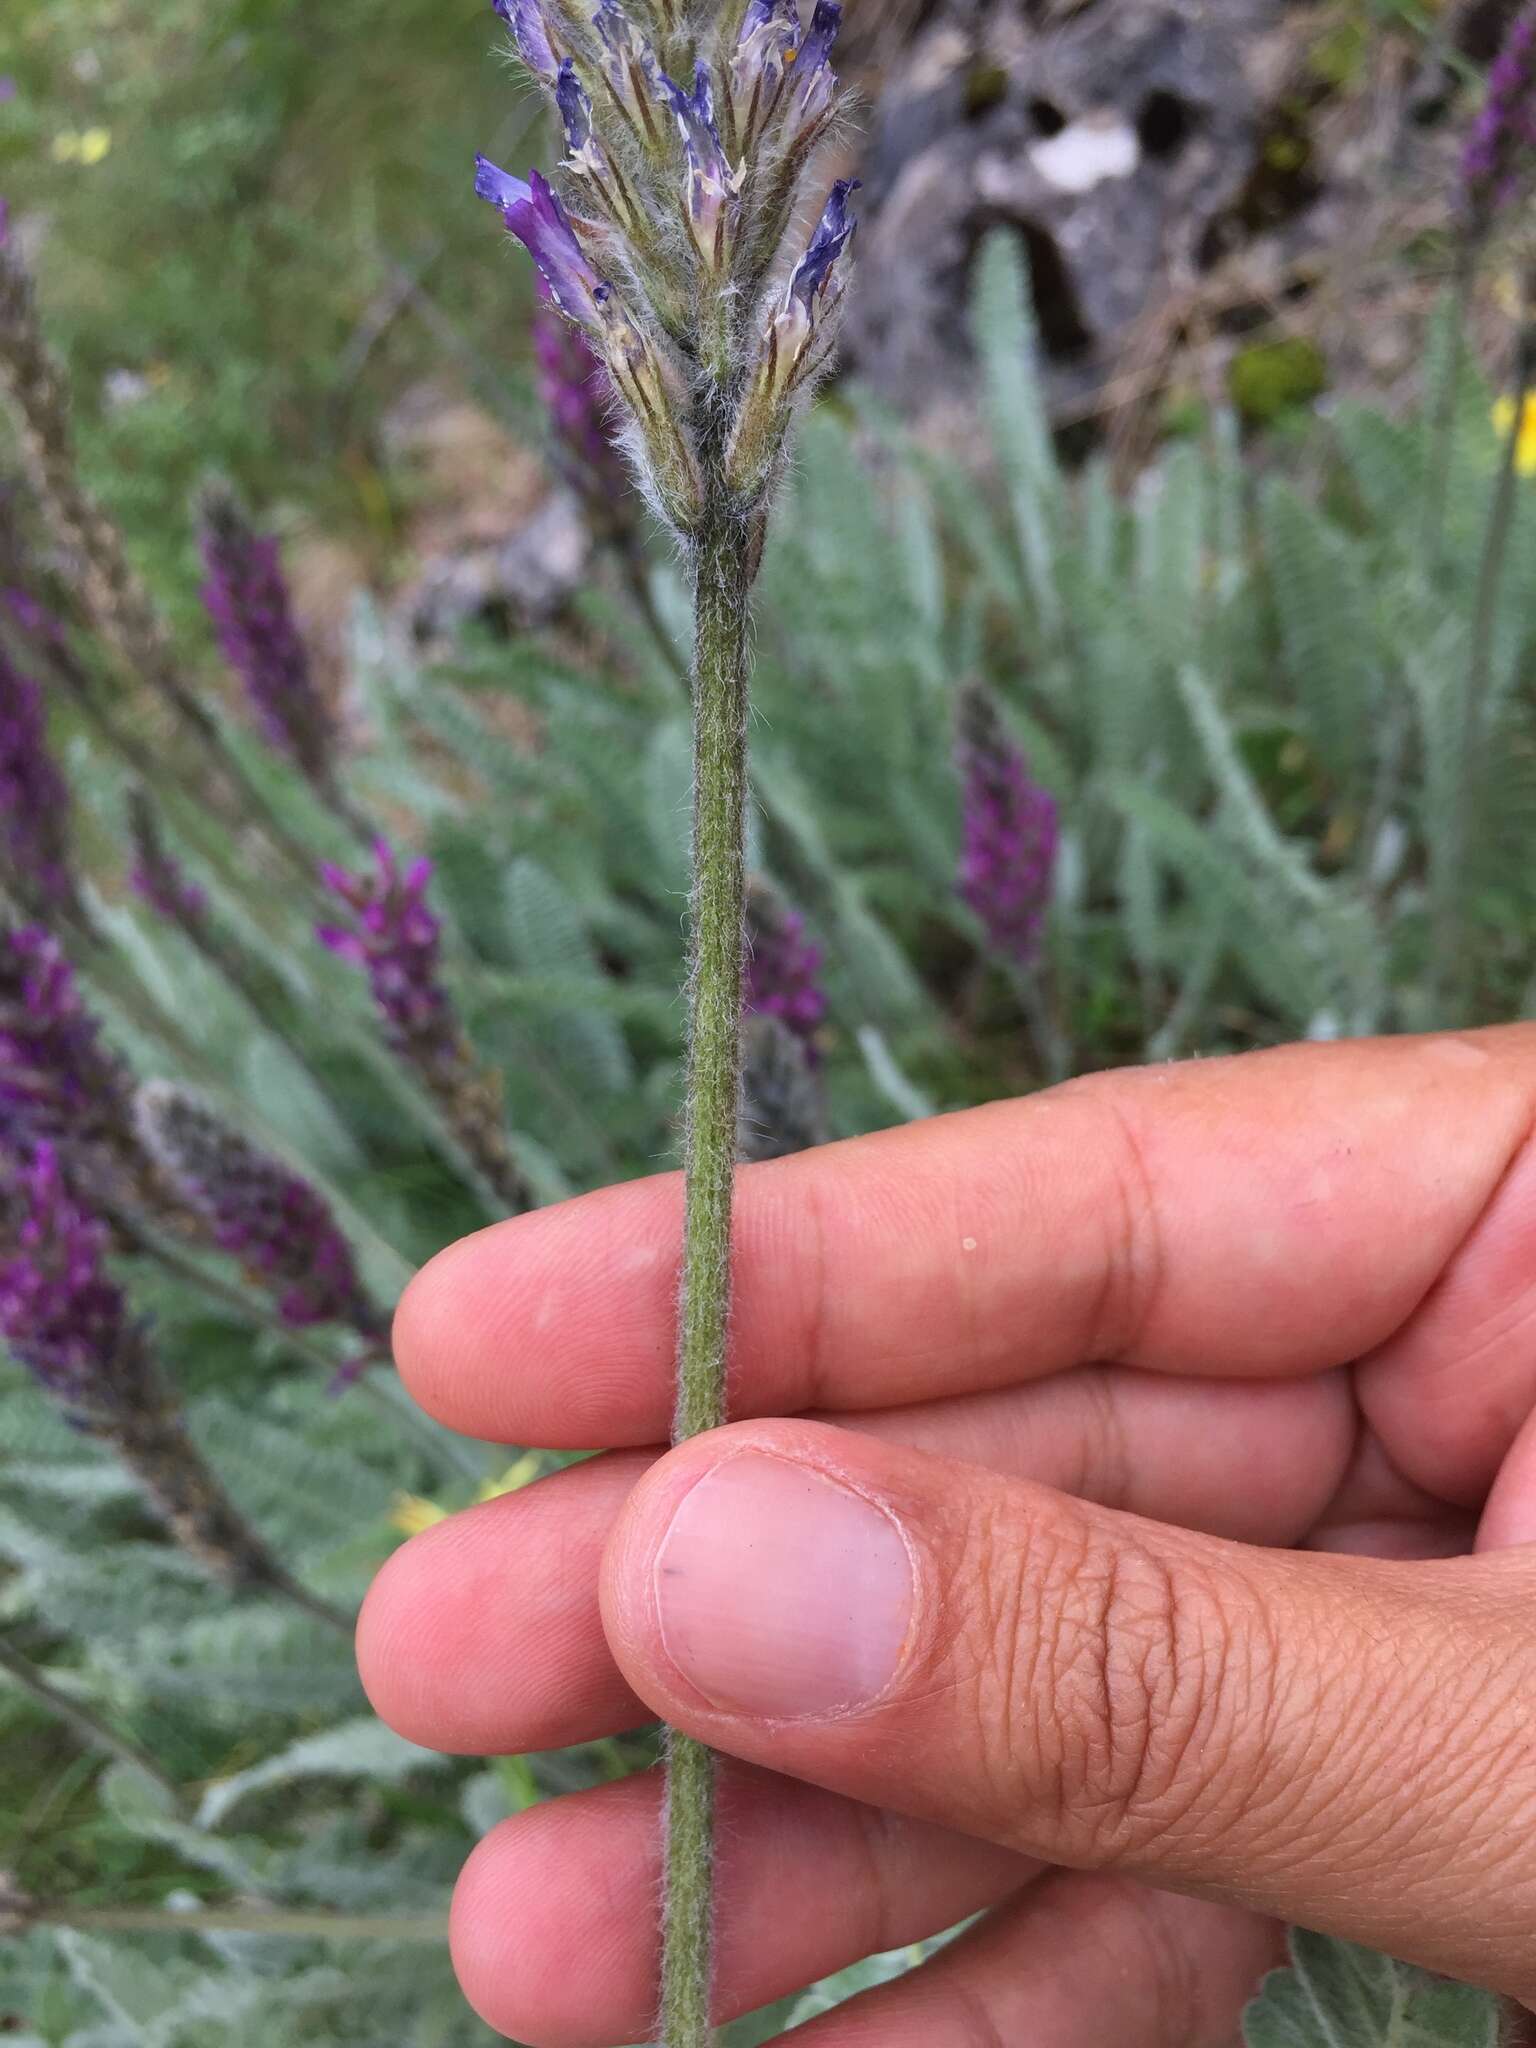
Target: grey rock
[1110,134]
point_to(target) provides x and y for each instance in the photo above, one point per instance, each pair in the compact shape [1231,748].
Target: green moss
[1274,377]
[985,86]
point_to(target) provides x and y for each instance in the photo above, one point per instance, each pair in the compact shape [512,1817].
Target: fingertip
[481,1635]
[430,1323]
[396,1665]
[534,1954]
[554,1328]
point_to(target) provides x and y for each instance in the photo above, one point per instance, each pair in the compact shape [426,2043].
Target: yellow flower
[411,1514]
[87,147]
[1525,447]
[516,1476]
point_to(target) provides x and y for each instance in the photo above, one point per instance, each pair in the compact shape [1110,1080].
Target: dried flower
[393,935]
[247,599]
[158,878]
[35,864]
[783,968]
[1011,833]
[1501,149]
[33,382]
[68,1322]
[278,1226]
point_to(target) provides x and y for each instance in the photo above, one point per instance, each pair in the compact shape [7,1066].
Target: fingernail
[781,1593]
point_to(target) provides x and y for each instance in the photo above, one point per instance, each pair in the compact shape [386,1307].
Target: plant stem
[1446,980]
[722,584]
[715,971]
[291,1925]
[85,1721]
[1442,436]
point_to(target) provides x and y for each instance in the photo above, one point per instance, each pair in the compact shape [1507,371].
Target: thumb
[1339,1741]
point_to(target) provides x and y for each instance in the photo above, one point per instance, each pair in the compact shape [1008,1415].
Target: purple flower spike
[783,968]
[395,938]
[278,1226]
[34,800]
[1501,150]
[1011,834]
[69,1323]
[247,599]
[530,31]
[57,1079]
[534,214]
[60,1312]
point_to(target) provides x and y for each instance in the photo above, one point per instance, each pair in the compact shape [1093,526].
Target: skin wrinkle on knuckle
[811,1343]
[1134,1258]
[1094,1674]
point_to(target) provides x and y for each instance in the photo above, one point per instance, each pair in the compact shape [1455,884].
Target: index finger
[1273,1214]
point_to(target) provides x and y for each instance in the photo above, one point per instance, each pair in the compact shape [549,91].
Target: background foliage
[1242,681]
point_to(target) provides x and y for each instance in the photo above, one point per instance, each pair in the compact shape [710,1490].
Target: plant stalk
[1442,433]
[290,1925]
[720,671]
[1446,979]
[85,1722]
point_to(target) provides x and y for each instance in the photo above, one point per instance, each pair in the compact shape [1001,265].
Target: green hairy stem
[720,672]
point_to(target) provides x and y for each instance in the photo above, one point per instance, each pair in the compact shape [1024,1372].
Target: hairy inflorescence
[685,170]
[677,244]
[260,1211]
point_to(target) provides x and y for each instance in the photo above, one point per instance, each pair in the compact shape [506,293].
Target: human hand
[1170,1447]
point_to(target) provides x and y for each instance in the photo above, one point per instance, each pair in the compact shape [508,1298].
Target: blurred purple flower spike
[1011,834]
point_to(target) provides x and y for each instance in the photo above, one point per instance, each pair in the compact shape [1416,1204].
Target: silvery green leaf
[363,1748]
[1007,341]
[1335,1995]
